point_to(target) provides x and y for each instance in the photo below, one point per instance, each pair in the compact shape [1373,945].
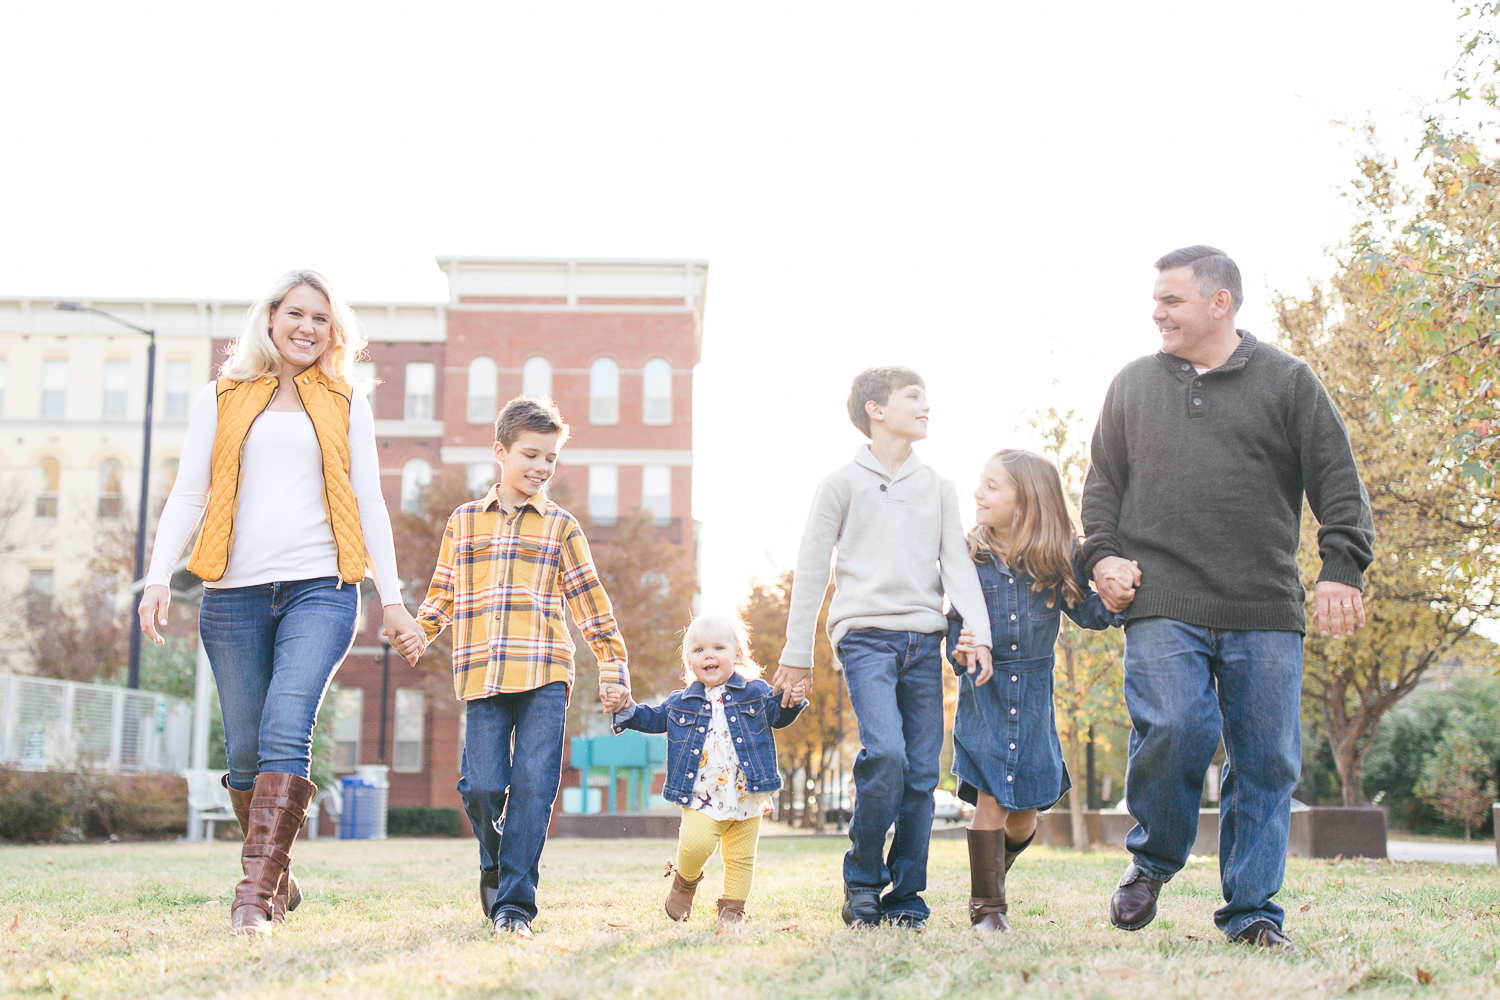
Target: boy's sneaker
[489,889]
[907,921]
[861,907]
[509,922]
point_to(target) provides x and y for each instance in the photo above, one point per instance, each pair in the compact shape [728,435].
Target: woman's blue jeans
[1185,686]
[896,688]
[512,765]
[273,648]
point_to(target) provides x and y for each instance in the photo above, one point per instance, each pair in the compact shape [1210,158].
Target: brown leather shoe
[987,905]
[288,894]
[1133,905]
[1267,935]
[680,897]
[731,911]
[277,809]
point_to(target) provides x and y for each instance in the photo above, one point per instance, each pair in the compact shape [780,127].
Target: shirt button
[1012,746]
[1009,778]
[1010,580]
[1013,647]
[1014,678]
[700,729]
[1197,401]
[1187,368]
[1012,711]
[1012,617]
[684,800]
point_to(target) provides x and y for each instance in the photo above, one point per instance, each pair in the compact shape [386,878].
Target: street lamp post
[385,690]
[133,679]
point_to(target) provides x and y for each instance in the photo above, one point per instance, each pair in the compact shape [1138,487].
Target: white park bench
[208,803]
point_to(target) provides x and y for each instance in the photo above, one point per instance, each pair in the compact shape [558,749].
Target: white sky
[974,190]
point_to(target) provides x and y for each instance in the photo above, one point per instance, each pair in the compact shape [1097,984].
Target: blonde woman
[280,466]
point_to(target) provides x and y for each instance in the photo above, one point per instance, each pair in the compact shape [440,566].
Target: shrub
[424,823]
[51,806]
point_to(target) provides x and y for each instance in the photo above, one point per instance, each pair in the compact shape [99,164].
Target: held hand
[786,679]
[799,692]
[1339,607]
[963,653]
[983,664]
[614,697]
[402,632]
[153,610]
[1116,580]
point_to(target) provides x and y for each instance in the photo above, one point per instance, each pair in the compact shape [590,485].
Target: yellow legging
[699,835]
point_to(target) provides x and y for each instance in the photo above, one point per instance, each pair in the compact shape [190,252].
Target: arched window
[482,390]
[416,474]
[536,377]
[110,494]
[46,489]
[604,392]
[656,392]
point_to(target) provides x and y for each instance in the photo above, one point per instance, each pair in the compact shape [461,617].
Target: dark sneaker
[512,923]
[861,907]
[1265,934]
[489,889]
[909,921]
[1133,905]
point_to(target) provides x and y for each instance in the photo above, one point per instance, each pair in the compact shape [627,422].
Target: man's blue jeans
[1185,685]
[514,743]
[273,648]
[896,687]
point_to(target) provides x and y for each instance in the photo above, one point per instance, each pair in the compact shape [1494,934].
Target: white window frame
[604,392]
[604,494]
[656,491]
[54,388]
[484,390]
[116,397]
[416,473]
[177,381]
[656,393]
[420,376]
[409,731]
[536,377]
[348,727]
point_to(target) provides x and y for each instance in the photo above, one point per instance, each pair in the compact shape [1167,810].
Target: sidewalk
[1480,853]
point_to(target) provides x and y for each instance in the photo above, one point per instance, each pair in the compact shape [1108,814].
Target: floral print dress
[719,793]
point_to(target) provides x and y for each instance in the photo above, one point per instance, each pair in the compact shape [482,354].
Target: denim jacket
[752,711]
[1023,627]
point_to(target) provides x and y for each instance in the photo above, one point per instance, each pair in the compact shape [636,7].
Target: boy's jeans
[531,768]
[273,648]
[896,687]
[1184,686]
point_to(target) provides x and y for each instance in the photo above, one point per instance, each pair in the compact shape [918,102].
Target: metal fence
[47,723]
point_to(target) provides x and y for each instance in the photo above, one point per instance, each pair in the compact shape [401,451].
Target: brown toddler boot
[680,896]
[731,911]
[987,906]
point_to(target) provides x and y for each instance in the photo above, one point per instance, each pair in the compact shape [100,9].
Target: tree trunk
[1075,799]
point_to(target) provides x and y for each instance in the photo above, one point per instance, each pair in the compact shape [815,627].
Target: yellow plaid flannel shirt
[501,581]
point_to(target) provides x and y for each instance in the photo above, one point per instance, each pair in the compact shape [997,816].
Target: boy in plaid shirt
[507,565]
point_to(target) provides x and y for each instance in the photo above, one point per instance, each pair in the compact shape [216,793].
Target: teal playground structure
[638,755]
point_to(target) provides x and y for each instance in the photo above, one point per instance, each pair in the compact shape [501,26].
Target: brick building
[615,342]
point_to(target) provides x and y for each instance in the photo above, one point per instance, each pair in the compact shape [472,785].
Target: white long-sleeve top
[281,529]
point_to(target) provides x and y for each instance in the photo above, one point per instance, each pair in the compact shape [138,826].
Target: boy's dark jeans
[896,687]
[514,742]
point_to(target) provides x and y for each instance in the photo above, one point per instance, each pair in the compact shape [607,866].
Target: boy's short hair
[875,385]
[529,413]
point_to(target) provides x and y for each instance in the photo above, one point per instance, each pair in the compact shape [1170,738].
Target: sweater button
[883,488]
[1197,383]
[1197,401]
[1187,368]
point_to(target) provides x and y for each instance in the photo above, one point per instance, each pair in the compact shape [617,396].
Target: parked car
[950,807]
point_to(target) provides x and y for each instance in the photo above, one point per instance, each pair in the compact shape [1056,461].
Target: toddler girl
[721,758]
[1006,753]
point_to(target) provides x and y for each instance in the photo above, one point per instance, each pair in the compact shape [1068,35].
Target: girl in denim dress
[721,758]
[1006,753]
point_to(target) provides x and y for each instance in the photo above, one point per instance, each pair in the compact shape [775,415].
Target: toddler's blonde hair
[720,626]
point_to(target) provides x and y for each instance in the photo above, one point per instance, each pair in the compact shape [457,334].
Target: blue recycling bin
[363,817]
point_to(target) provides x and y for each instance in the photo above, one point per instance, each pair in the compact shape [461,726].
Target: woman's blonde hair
[254,355]
[1046,529]
[717,626]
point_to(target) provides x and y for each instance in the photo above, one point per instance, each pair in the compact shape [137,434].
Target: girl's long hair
[1046,529]
[253,354]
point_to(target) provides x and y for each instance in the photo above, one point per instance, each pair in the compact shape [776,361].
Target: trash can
[365,795]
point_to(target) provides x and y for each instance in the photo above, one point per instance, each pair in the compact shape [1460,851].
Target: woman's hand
[153,610]
[402,631]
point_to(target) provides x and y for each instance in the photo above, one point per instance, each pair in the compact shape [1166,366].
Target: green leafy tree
[1458,780]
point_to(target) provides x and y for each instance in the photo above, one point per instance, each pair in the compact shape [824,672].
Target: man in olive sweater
[1200,460]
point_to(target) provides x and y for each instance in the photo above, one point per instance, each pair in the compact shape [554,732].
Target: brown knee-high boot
[277,809]
[987,906]
[289,894]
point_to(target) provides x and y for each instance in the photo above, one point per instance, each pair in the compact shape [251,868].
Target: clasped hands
[616,697]
[404,633]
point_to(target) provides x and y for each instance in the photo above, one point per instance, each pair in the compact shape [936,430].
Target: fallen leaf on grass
[1304,907]
[608,924]
[1192,937]
[1121,971]
[15,925]
[1423,976]
[788,927]
[561,945]
[1025,976]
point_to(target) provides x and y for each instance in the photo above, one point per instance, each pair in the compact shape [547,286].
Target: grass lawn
[399,918]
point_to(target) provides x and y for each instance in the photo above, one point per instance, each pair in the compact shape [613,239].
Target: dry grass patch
[399,918]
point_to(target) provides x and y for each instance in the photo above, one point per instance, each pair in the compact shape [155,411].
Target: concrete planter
[1316,832]
[607,825]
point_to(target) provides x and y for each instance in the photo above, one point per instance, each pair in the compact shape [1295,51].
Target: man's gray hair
[1211,267]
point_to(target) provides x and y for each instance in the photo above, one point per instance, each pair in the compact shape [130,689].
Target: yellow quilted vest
[240,403]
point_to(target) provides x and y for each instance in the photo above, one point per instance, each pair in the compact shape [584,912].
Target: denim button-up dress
[1005,733]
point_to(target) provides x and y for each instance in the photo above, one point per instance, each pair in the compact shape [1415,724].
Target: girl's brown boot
[731,911]
[987,906]
[680,896]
